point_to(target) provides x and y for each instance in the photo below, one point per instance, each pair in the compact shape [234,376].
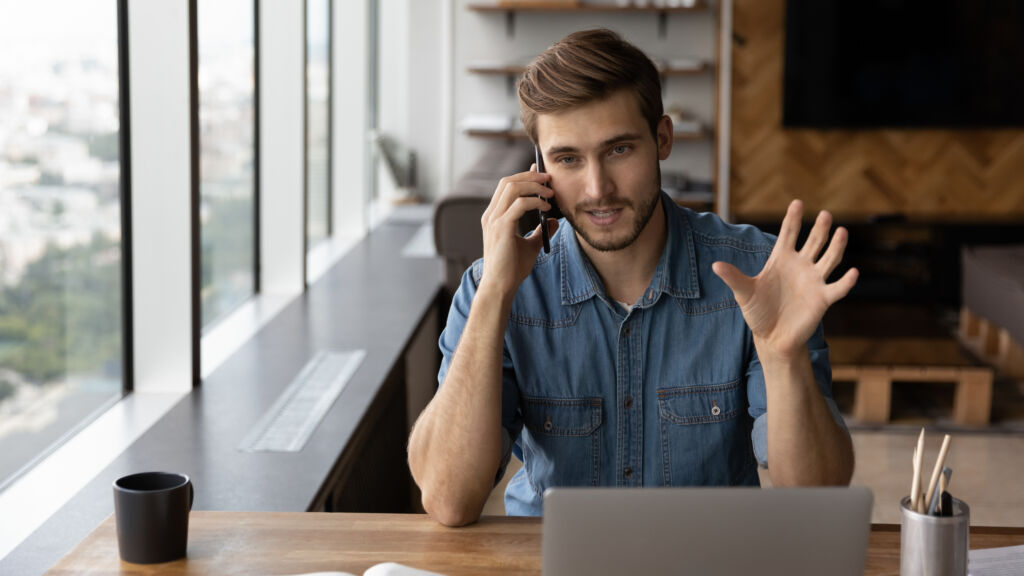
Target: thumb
[737,281]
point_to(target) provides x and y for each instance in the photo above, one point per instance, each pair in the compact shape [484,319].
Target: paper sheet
[1008,561]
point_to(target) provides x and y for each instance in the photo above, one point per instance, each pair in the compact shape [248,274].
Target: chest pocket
[705,436]
[561,441]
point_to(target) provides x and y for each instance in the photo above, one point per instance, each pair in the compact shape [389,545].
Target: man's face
[604,167]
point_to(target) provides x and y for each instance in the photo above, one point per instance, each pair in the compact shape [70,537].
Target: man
[652,345]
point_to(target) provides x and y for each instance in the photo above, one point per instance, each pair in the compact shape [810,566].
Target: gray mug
[151,510]
[934,545]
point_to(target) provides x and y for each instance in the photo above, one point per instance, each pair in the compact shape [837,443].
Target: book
[385,569]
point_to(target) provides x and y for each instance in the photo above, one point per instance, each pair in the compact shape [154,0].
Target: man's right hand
[508,257]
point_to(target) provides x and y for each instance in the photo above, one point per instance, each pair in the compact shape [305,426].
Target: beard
[642,214]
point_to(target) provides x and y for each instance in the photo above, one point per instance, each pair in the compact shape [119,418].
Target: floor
[988,474]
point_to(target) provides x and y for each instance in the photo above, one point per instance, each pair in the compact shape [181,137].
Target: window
[318,121]
[227,149]
[61,253]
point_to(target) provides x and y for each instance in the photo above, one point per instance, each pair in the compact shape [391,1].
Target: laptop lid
[706,531]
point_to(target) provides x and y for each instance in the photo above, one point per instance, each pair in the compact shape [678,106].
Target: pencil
[915,488]
[933,484]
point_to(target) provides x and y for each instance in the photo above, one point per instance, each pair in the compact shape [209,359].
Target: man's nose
[598,184]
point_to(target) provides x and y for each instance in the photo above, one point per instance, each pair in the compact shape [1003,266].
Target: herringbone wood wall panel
[943,175]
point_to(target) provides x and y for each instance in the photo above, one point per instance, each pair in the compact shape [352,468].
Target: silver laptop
[706,531]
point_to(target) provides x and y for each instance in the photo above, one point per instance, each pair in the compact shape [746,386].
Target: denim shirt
[669,394]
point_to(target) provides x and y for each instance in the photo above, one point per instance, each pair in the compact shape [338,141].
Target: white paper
[1007,561]
[385,569]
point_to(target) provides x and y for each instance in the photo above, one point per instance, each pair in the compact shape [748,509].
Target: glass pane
[60,221]
[318,119]
[226,155]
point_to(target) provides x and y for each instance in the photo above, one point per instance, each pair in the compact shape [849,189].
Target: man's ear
[665,138]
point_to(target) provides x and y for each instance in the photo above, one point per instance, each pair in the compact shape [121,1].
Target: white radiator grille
[299,409]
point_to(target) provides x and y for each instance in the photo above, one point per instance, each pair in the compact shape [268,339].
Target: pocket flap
[700,404]
[562,416]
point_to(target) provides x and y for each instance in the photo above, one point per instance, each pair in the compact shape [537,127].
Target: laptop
[706,531]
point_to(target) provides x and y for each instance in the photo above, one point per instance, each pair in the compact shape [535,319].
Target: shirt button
[629,402]
[628,472]
[626,331]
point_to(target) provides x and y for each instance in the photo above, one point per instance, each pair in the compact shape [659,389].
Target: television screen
[904,63]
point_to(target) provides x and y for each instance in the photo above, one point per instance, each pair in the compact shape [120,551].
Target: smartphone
[543,215]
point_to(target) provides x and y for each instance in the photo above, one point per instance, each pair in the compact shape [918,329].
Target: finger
[520,189]
[522,205]
[740,284]
[533,237]
[818,236]
[791,225]
[500,199]
[838,290]
[834,254]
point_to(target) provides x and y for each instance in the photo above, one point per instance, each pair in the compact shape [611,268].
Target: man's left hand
[784,304]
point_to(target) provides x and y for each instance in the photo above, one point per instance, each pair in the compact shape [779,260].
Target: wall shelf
[521,135]
[511,10]
[517,70]
[557,7]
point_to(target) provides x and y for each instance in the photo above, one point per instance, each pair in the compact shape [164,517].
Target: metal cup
[934,545]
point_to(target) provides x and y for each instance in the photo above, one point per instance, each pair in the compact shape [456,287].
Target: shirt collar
[676,273]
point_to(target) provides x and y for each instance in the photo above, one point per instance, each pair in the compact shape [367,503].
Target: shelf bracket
[510,82]
[510,24]
[662,25]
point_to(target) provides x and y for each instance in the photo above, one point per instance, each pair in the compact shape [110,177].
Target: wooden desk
[297,542]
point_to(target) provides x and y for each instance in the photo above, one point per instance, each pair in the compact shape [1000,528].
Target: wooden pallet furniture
[992,343]
[992,315]
[875,363]
[874,345]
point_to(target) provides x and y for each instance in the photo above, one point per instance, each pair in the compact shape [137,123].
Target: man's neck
[627,273]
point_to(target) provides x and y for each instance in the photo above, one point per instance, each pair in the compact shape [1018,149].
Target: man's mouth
[604,216]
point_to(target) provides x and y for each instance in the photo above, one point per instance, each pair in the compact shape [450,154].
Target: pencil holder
[934,545]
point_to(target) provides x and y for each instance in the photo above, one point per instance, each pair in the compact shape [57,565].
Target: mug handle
[191,495]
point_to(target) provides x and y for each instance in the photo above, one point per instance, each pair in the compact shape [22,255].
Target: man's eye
[620,149]
[567,160]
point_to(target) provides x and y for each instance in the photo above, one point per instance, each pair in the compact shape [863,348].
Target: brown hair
[586,66]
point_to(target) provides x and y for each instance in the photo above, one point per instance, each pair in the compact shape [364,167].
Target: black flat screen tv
[904,64]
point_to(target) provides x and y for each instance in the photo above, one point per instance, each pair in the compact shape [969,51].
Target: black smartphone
[543,215]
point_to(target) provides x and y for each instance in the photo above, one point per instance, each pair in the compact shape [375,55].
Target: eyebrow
[613,140]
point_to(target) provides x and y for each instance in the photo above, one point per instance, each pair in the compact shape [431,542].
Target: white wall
[482,36]
[410,86]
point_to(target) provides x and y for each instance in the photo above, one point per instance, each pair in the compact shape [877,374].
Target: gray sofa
[457,232]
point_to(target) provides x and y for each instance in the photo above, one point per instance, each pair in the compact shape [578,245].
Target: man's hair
[584,67]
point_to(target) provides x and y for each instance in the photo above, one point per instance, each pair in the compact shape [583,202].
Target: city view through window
[318,118]
[61,306]
[227,152]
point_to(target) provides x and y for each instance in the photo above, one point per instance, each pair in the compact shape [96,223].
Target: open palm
[784,304]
